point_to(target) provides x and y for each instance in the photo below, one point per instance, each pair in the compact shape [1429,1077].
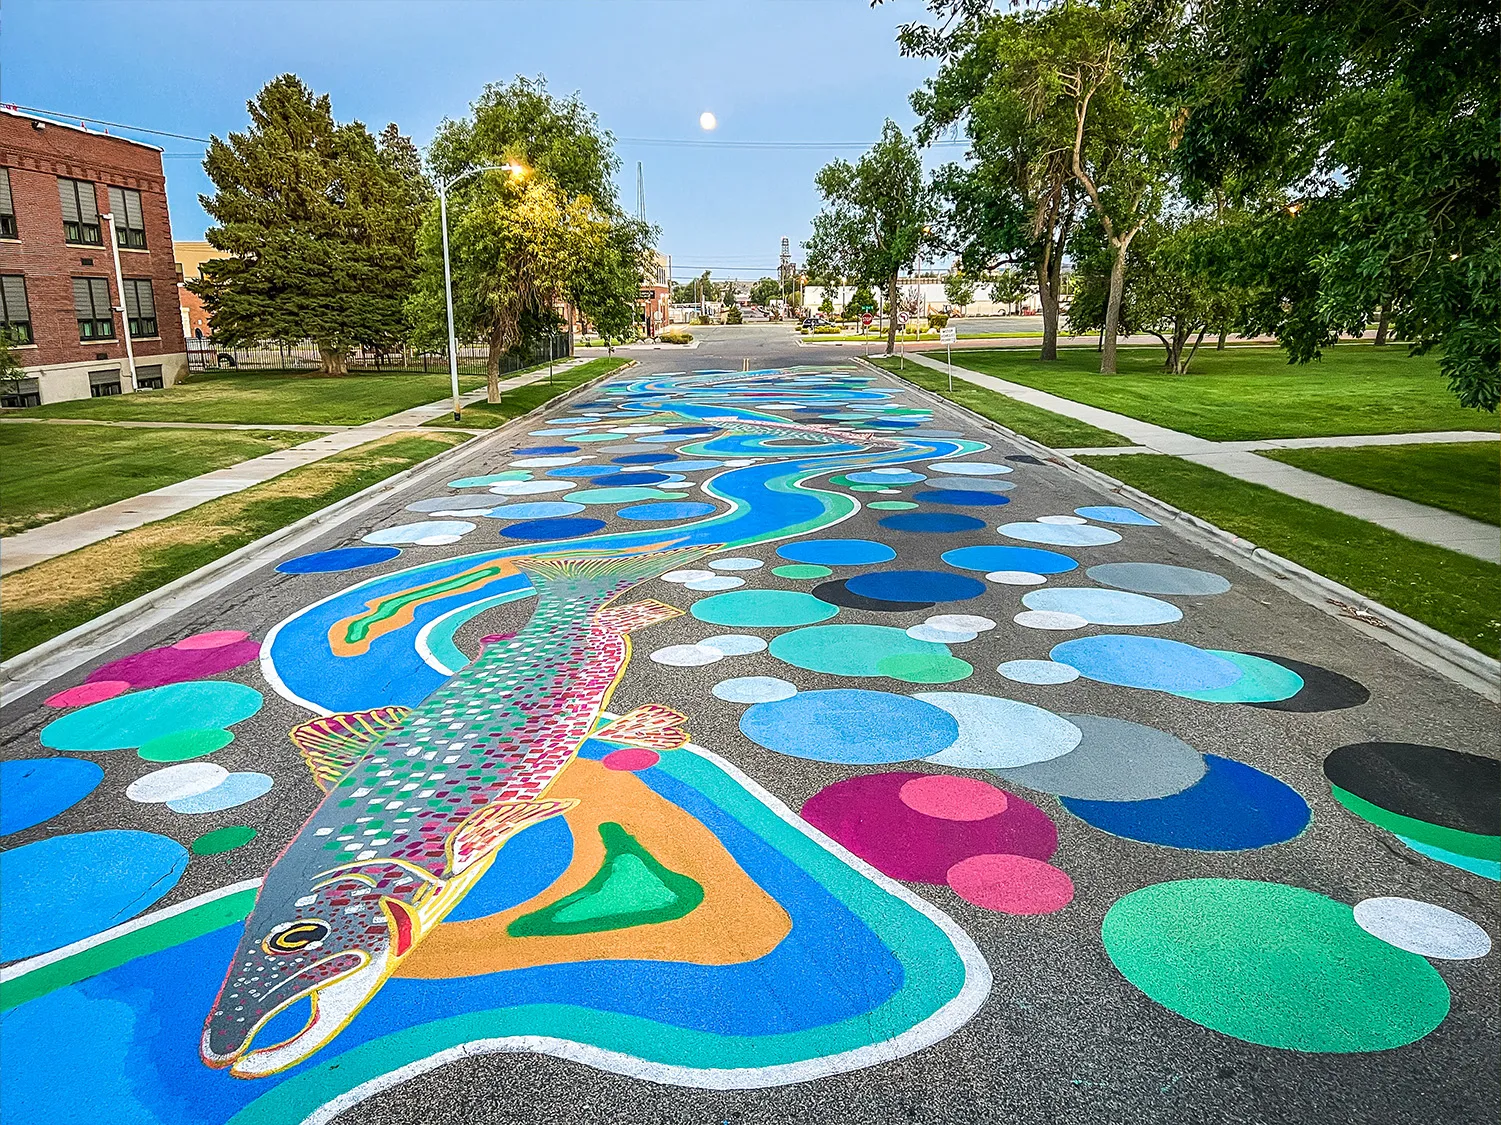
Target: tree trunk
[1220,346]
[492,364]
[1047,296]
[333,360]
[891,308]
[1113,309]
[1383,322]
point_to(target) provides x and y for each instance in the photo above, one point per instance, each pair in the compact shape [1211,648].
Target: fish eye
[291,937]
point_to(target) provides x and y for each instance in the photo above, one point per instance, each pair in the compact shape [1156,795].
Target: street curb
[39,665]
[1420,643]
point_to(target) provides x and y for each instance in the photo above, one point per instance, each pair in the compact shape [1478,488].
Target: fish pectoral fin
[332,744]
[651,726]
[487,828]
[637,615]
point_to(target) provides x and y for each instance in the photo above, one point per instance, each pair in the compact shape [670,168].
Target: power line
[65,117]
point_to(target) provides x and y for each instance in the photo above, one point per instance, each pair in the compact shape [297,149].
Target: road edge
[40,665]
[1423,644]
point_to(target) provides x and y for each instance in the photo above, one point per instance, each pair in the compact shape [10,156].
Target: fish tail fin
[332,744]
[650,726]
[610,574]
[489,827]
[637,615]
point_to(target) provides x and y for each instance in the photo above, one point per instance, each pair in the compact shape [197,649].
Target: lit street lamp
[453,346]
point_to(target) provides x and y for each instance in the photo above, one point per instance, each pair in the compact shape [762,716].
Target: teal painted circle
[1261,681]
[1274,965]
[801,570]
[141,716]
[763,609]
[851,650]
[625,494]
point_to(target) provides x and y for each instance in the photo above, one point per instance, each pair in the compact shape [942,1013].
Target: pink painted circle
[92,692]
[630,759]
[217,639]
[1011,884]
[949,797]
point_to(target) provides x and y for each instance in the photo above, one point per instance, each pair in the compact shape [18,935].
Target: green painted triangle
[631,888]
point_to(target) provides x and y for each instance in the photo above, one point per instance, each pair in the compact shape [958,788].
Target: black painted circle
[835,593]
[1428,783]
[1322,690]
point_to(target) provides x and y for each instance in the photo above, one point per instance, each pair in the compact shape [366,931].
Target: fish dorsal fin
[488,828]
[332,744]
[651,726]
[637,615]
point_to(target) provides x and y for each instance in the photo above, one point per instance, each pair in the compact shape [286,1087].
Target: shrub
[675,336]
[827,330]
[938,320]
[732,315]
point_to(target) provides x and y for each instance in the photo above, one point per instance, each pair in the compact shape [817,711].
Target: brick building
[59,299]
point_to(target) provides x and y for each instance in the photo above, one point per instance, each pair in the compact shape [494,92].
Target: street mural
[491,855]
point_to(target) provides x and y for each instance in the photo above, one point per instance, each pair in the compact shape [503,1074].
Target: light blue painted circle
[1060,534]
[754,689]
[850,726]
[694,466]
[970,468]
[411,532]
[65,888]
[1107,513]
[541,510]
[1103,607]
[836,552]
[666,510]
[892,479]
[236,789]
[1159,578]
[1038,672]
[36,789]
[736,563]
[996,733]
[1030,559]
[137,718]
[340,558]
[1156,663]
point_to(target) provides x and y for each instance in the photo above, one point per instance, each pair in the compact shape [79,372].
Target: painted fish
[419,803]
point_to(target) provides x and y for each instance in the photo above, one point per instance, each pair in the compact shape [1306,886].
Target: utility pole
[130,355]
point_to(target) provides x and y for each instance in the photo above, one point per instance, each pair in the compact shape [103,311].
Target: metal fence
[205,354]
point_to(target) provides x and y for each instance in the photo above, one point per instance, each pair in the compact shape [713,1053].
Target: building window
[130,225]
[21,392]
[80,212]
[15,313]
[140,307]
[103,384]
[149,378]
[96,321]
[7,207]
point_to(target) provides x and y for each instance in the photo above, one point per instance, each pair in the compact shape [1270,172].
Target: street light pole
[130,355]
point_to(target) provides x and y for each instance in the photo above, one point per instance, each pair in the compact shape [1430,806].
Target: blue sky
[798,70]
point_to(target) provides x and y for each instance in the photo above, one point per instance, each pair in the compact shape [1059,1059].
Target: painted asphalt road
[1063,1028]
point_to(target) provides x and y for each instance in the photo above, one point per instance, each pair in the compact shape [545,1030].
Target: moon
[707,120]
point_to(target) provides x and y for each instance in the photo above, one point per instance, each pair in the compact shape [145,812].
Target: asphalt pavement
[1060,954]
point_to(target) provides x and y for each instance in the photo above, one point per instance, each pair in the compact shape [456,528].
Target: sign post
[947,334]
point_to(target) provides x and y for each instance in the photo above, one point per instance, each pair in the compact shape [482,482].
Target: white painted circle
[687,575]
[686,656]
[1066,520]
[737,564]
[176,782]
[963,622]
[1422,928]
[436,540]
[754,689]
[733,644]
[714,582]
[1038,672]
[1049,619]
[1016,578]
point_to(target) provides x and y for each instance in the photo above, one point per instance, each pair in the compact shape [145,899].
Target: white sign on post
[947,335]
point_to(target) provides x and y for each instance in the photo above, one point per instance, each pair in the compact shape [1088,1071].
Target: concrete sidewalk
[1238,459]
[70,534]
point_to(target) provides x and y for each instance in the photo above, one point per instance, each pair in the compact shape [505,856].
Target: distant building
[656,295]
[59,299]
[190,257]
[926,295]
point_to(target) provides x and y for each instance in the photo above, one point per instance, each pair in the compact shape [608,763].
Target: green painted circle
[141,716]
[1271,964]
[801,570]
[925,668]
[893,505]
[1261,681]
[858,650]
[222,840]
[624,494]
[763,608]
[185,744]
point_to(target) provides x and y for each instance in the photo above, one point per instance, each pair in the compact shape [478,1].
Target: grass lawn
[256,398]
[513,404]
[1440,588]
[1242,394]
[1051,429]
[1463,477]
[49,471]
[52,597]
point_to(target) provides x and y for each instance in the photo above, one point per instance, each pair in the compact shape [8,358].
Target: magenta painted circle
[1011,884]
[952,798]
[95,691]
[631,759]
[217,639]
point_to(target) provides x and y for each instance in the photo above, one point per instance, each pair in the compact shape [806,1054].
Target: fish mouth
[334,1002]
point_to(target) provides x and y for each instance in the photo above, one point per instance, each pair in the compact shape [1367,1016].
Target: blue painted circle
[932,523]
[340,558]
[850,726]
[1031,559]
[561,528]
[584,472]
[837,552]
[36,789]
[65,888]
[545,450]
[1231,808]
[915,586]
[967,498]
[628,479]
[644,458]
[892,479]
[677,431]
[1127,660]
[665,510]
